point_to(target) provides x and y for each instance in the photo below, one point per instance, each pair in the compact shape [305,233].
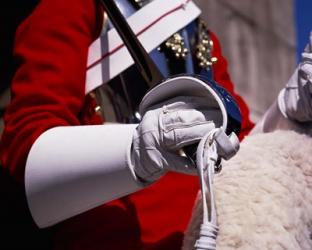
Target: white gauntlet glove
[165,129]
[295,99]
[72,169]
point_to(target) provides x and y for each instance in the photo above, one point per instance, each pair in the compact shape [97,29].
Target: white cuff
[275,119]
[70,170]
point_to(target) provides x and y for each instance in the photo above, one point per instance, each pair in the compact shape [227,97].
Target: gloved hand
[295,100]
[165,129]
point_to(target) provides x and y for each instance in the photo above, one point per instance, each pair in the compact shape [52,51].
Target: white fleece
[263,195]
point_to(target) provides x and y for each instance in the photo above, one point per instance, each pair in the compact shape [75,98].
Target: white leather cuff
[70,170]
[275,119]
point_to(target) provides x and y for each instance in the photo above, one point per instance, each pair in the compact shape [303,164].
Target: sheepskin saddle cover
[263,195]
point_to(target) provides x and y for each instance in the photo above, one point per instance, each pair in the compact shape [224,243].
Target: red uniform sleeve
[221,76]
[48,88]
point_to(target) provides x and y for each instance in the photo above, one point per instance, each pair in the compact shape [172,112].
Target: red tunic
[48,90]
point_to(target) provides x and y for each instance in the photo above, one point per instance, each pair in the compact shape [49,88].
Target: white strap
[153,24]
[206,158]
[213,145]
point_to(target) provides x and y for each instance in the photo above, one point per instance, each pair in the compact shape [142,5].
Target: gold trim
[204,47]
[176,44]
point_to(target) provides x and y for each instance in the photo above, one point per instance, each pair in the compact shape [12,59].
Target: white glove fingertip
[227,146]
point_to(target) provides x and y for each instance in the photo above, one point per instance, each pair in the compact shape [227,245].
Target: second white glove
[295,100]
